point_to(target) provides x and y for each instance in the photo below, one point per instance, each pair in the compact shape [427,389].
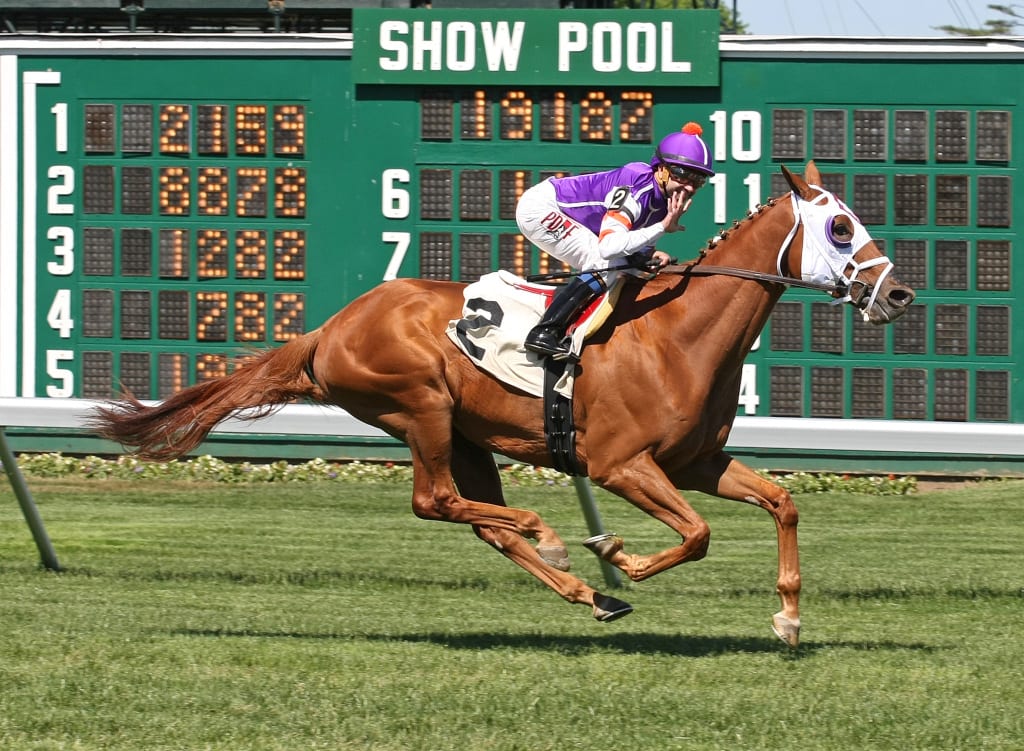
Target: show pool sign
[516,47]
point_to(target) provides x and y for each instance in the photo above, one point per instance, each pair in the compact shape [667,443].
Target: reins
[696,269]
[835,288]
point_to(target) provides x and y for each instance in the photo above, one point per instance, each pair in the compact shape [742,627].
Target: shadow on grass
[678,645]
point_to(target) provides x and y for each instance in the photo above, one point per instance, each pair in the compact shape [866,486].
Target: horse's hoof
[609,609]
[787,629]
[555,556]
[604,546]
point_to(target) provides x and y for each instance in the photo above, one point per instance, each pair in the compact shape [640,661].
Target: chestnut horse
[655,395]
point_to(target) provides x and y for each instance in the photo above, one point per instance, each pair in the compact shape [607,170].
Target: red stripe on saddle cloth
[549,293]
[537,289]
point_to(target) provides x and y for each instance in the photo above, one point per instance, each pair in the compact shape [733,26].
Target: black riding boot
[548,337]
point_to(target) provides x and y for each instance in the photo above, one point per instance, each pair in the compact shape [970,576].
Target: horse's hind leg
[403,391]
[434,495]
[727,478]
[476,476]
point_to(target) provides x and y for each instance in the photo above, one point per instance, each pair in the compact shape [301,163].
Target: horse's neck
[730,310]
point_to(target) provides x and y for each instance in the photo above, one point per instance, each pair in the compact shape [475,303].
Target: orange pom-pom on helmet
[685,150]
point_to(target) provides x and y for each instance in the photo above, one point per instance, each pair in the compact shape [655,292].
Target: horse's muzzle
[890,303]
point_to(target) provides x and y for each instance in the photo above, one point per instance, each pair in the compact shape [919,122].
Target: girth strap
[559,427]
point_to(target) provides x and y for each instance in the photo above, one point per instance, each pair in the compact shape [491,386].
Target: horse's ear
[797,183]
[811,173]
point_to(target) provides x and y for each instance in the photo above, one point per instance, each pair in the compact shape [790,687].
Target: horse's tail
[171,428]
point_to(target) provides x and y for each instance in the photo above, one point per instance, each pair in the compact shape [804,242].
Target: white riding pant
[543,223]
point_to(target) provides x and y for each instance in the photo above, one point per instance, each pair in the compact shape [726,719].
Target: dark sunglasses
[683,174]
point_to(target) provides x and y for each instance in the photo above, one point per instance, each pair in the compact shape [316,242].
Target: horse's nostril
[901,296]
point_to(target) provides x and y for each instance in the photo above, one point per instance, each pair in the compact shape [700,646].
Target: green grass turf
[326,616]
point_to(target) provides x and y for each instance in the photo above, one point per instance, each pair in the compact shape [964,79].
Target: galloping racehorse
[655,394]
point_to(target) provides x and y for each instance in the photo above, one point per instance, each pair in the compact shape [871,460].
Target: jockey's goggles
[687,175]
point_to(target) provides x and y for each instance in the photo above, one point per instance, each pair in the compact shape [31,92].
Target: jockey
[609,220]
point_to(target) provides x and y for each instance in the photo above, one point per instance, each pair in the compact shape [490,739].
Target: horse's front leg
[727,478]
[641,482]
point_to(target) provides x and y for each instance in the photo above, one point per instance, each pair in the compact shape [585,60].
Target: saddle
[499,311]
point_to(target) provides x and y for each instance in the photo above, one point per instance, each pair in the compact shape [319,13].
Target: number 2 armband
[621,201]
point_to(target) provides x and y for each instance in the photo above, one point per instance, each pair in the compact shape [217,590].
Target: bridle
[841,286]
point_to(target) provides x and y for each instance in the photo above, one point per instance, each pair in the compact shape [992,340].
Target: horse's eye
[840,230]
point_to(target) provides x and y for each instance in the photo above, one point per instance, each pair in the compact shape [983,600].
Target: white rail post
[596,527]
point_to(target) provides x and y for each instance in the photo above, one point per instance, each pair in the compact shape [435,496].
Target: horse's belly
[493,415]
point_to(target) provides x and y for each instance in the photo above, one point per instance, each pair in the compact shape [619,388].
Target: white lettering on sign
[432,45]
[502,46]
[424,44]
[643,47]
[461,46]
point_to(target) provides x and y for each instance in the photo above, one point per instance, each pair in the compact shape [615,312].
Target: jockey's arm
[617,237]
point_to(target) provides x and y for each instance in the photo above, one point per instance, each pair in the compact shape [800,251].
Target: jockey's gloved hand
[642,260]
[642,266]
[645,261]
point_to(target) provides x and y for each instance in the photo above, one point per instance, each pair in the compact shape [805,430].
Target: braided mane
[724,234]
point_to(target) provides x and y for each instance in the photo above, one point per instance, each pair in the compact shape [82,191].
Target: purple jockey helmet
[685,149]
